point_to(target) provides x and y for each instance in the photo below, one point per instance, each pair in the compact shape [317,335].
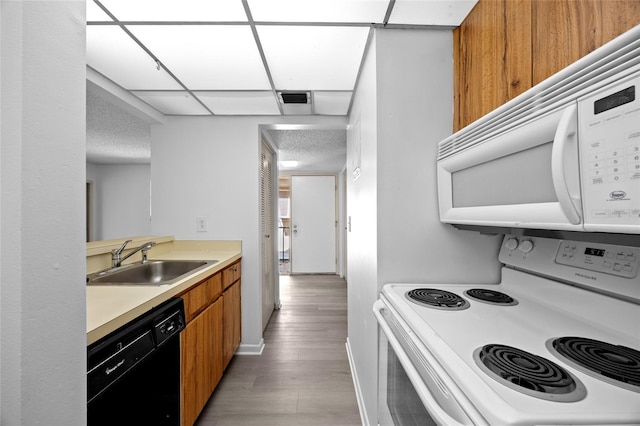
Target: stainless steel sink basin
[153,272]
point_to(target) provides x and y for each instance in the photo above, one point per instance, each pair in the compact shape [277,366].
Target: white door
[313,224]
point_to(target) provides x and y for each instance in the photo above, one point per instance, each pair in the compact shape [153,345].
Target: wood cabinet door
[231,274]
[504,47]
[232,321]
[202,357]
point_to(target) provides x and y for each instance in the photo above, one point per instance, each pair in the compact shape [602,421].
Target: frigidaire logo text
[617,195]
[589,277]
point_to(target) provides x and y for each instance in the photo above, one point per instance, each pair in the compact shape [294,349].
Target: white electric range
[471,361]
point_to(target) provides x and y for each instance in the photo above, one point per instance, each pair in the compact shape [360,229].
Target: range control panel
[605,268]
[614,260]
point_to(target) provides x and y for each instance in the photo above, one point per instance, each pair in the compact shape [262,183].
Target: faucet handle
[118,251]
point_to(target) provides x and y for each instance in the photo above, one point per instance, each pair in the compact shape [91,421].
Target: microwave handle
[565,163]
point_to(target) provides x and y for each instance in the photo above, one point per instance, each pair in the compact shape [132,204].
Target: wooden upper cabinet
[504,47]
[566,30]
[492,54]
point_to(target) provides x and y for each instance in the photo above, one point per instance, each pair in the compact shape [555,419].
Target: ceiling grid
[234,57]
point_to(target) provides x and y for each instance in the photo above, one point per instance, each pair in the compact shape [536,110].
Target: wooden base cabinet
[210,338]
[232,321]
[231,295]
[201,360]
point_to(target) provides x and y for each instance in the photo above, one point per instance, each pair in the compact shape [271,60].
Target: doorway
[313,224]
[284,224]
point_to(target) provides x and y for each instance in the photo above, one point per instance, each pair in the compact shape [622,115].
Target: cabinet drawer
[231,274]
[201,296]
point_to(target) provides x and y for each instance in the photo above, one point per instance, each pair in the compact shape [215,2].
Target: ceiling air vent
[294,97]
[296,103]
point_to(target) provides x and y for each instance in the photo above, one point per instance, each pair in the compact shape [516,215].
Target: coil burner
[614,364]
[528,373]
[438,299]
[491,296]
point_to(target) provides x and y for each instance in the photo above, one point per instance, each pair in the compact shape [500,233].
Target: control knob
[511,244]
[526,246]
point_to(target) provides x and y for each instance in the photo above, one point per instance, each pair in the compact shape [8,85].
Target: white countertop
[110,307]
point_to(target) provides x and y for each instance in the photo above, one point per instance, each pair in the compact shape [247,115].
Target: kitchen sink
[152,272]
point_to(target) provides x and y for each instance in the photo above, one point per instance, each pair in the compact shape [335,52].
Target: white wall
[362,247]
[208,166]
[404,104]
[42,248]
[121,200]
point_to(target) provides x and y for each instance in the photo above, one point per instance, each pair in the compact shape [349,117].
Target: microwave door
[517,175]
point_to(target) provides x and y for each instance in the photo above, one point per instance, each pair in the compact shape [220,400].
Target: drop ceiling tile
[172,103]
[313,58]
[240,103]
[332,103]
[431,12]
[207,57]
[95,13]
[172,10]
[111,52]
[356,11]
[296,109]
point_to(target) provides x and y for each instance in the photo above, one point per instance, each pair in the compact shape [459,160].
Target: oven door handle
[434,409]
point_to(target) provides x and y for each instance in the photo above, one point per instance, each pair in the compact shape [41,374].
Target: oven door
[412,388]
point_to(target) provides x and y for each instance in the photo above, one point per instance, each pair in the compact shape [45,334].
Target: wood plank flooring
[303,376]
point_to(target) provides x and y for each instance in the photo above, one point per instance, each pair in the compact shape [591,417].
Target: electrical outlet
[201,224]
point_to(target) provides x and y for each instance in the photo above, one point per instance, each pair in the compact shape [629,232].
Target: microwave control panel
[609,149]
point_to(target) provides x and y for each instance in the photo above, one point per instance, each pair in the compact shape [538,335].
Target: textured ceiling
[113,135]
[316,150]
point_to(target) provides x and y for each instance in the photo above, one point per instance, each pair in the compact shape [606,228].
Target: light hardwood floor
[302,377]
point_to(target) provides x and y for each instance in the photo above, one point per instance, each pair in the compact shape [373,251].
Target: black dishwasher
[133,374]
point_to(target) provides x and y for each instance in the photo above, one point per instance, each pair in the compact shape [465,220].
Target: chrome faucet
[116,255]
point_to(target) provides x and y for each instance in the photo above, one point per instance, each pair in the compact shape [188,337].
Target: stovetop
[543,310]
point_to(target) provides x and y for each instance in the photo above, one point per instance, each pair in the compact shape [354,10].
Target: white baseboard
[247,349]
[356,385]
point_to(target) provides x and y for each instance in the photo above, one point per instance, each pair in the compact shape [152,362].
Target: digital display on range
[615,100]
[594,252]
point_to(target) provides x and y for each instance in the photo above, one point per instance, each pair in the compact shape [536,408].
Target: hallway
[302,377]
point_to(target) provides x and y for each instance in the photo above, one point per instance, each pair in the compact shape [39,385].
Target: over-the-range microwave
[565,155]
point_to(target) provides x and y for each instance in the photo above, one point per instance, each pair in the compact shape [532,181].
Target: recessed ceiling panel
[173,103]
[240,103]
[207,57]
[95,13]
[313,58]
[173,10]
[296,109]
[356,11]
[111,52]
[332,103]
[431,12]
